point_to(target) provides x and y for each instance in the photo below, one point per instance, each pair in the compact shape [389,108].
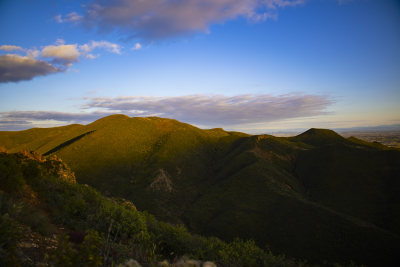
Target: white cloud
[63,52]
[72,52]
[70,17]
[91,56]
[50,59]
[86,49]
[58,18]
[111,47]
[73,17]
[32,53]
[10,48]
[137,46]
[60,41]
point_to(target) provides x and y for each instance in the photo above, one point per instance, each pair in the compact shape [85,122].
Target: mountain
[316,196]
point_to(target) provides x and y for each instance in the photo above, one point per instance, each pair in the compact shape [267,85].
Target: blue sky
[250,65]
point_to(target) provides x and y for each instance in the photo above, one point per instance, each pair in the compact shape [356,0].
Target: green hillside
[48,219]
[316,196]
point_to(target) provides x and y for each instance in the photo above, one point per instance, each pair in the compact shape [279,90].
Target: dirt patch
[162,182]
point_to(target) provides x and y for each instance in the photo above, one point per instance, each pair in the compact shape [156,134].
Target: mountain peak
[315,136]
[113,117]
[320,132]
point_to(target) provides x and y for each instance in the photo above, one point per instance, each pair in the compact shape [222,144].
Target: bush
[88,253]
[11,178]
[31,171]
[10,234]
[175,240]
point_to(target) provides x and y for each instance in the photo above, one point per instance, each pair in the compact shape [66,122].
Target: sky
[254,66]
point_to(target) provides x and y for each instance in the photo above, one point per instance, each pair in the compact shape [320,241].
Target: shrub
[88,253]
[10,234]
[11,178]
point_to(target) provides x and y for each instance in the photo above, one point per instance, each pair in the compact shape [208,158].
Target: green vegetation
[112,230]
[317,196]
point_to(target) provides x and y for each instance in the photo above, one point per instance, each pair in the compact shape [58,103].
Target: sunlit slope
[124,156]
[317,196]
[39,139]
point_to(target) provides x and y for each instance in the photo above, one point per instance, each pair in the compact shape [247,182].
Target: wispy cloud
[155,19]
[218,110]
[50,59]
[19,120]
[52,115]
[200,110]
[86,49]
[137,46]
[15,125]
[70,17]
[10,48]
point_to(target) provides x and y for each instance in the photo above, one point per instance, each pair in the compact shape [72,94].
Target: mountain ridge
[275,189]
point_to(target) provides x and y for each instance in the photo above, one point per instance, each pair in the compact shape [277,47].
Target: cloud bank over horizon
[217,110]
[200,110]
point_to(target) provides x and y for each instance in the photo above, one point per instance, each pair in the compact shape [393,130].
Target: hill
[48,219]
[316,196]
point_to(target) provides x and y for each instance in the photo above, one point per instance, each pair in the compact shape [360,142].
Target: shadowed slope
[41,200]
[66,143]
[360,182]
